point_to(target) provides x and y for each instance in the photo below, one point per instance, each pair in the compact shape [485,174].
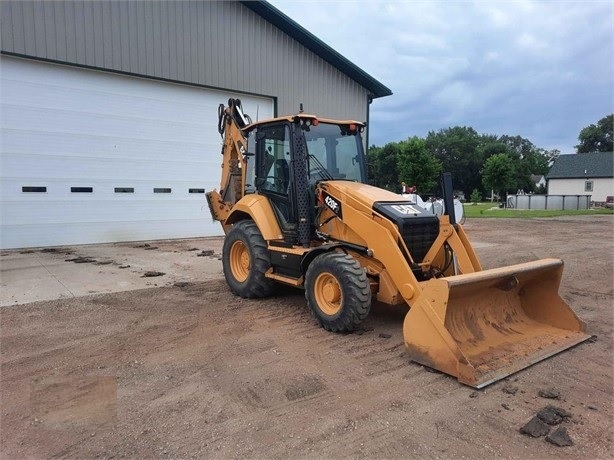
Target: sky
[539,69]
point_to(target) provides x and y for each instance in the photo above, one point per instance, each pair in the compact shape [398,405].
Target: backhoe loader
[296,209]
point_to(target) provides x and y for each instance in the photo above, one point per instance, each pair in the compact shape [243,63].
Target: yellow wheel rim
[327,293]
[239,261]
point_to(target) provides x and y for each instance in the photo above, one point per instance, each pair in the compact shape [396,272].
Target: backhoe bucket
[484,326]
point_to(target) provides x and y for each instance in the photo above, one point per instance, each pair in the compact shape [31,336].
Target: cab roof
[303,116]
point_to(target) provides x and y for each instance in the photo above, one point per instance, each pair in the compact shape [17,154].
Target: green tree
[382,163]
[417,166]
[517,144]
[490,145]
[457,150]
[475,196]
[597,138]
[528,159]
[499,173]
[551,156]
[373,154]
[461,151]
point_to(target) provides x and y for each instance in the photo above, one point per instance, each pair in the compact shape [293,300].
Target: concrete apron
[30,275]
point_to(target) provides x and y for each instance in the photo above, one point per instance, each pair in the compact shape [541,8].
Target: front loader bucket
[484,326]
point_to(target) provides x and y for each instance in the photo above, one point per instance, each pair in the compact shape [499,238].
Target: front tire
[245,259]
[337,291]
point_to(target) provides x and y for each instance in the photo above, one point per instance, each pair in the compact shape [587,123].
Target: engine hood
[365,194]
[417,227]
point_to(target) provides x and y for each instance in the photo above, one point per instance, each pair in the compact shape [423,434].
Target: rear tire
[245,259]
[337,291]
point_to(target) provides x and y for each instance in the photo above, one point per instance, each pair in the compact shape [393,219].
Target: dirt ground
[189,370]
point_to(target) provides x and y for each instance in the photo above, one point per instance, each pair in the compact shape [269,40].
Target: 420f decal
[332,204]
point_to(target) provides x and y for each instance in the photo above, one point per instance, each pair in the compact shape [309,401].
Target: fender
[257,208]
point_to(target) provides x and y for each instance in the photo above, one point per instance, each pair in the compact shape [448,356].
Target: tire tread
[256,285]
[355,287]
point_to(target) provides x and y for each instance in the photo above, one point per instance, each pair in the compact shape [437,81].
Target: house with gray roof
[583,174]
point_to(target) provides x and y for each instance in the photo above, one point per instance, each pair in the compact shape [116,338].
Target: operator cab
[292,154]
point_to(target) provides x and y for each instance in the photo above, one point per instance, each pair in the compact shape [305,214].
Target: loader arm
[383,238]
[478,325]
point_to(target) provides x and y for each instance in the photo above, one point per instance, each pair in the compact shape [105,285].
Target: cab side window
[273,151]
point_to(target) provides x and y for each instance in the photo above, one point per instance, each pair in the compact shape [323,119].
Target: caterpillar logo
[405,209]
[332,204]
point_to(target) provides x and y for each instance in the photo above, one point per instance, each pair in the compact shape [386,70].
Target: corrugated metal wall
[218,44]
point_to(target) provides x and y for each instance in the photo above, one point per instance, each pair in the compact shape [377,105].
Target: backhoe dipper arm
[231,121]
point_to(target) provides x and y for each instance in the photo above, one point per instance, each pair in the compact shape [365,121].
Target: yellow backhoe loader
[296,209]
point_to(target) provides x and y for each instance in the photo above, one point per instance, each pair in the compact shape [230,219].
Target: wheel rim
[328,293]
[239,261]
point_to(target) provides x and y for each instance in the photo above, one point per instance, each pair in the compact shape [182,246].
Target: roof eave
[584,176]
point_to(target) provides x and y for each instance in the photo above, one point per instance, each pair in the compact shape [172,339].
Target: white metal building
[108,110]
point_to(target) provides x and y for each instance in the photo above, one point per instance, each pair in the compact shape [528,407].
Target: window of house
[196,190]
[81,189]
[124,189]
[161,190]
[588,186]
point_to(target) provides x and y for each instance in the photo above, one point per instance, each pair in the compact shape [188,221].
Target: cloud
[542,70]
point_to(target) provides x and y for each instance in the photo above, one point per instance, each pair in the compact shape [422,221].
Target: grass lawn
[491,210]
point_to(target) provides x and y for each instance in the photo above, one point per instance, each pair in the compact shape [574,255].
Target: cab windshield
[334,153]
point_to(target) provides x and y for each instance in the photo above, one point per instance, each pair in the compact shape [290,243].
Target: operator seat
[282,173]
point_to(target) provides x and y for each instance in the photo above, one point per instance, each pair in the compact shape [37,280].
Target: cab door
[274,173]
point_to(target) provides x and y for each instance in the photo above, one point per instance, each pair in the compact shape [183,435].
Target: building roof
[583,165]
[536,177]
[317,46]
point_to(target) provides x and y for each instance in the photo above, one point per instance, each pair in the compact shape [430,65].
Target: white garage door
[91,156]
